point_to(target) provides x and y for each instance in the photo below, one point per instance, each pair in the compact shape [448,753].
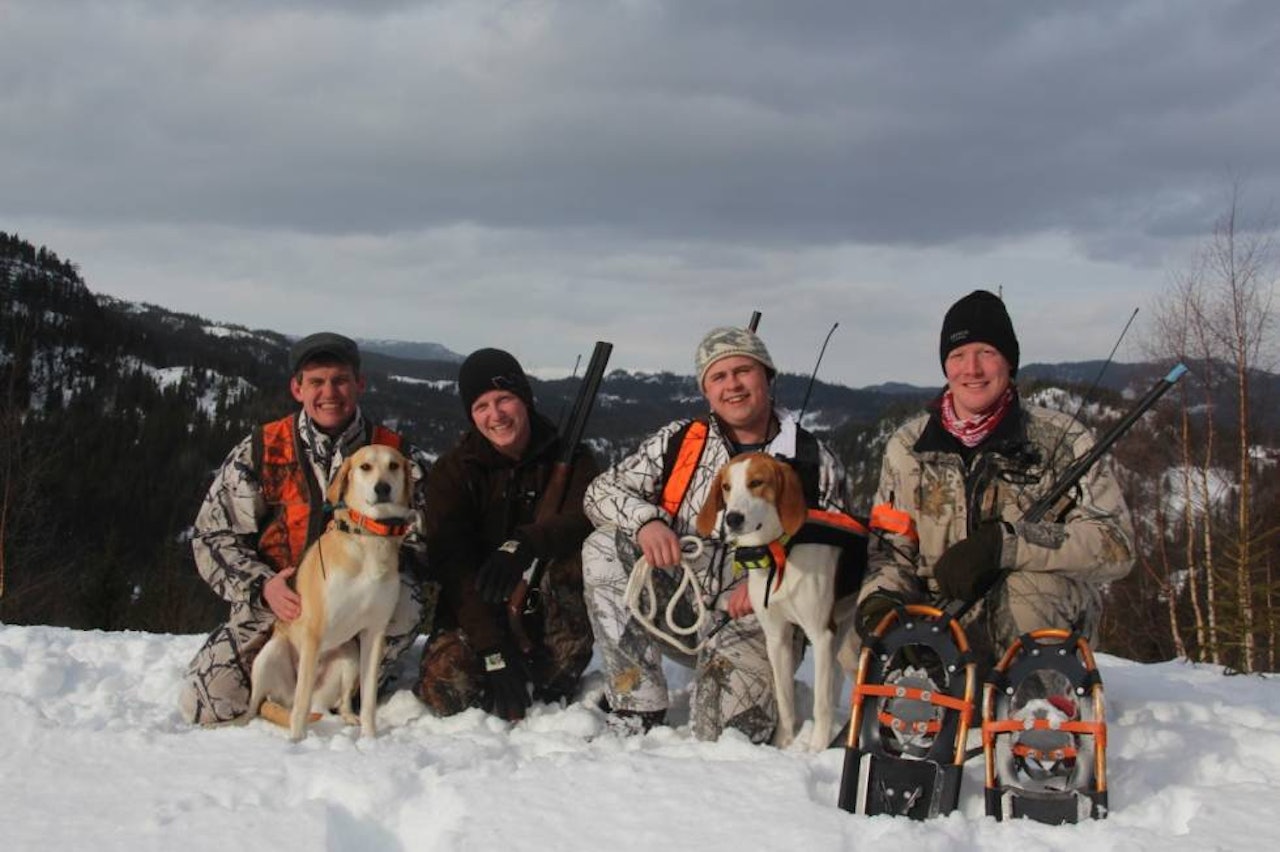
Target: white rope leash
[642,600]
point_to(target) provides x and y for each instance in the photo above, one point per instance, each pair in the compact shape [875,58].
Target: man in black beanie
[483,535]
[959,479]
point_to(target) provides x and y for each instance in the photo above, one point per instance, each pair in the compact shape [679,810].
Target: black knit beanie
[979,317]
[492,369]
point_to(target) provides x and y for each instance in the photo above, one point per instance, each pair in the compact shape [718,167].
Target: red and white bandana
[974,431]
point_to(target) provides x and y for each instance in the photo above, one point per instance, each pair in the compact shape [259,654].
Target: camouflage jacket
[234,512]
[946,491]
[626,496]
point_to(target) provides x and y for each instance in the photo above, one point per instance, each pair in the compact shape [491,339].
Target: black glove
[505,692]
[872,610]
[498,576]
[968,569]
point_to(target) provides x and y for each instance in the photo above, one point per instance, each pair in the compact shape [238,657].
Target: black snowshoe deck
[1043,724]
[912,704]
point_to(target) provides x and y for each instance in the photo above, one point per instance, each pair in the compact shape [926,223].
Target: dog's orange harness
[820,527]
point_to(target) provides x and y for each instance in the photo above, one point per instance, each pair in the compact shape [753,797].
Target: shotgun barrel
[523,599]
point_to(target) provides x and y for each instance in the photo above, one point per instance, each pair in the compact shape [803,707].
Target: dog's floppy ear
[714,503]
[338,488]
[791,506]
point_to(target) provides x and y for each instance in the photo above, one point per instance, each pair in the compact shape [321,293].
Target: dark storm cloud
[787,123]
[549,173]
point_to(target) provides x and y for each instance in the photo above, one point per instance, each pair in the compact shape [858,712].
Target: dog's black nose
[733,520]
[382,490]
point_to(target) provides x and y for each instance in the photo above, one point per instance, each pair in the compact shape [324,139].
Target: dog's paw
[819,741]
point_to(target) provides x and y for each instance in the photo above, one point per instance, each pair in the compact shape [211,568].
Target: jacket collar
[1009,433]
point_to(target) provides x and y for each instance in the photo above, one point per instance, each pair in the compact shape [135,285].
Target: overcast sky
[540,175]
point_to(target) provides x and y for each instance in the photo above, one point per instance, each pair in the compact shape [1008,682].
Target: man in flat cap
[266,505]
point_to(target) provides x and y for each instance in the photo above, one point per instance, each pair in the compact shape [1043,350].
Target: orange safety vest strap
[695,438]
[893,521]
[285,487]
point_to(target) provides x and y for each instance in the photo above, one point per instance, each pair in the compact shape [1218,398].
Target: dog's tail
[278,714]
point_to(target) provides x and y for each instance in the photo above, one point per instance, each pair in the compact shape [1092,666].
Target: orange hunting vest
[290,489]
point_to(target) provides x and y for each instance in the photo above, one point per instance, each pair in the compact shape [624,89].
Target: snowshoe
[911,705]
[1044,734]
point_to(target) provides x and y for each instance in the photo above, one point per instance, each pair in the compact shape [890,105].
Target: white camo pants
[733,685]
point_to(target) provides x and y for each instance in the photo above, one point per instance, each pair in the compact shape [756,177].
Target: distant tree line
[102,466]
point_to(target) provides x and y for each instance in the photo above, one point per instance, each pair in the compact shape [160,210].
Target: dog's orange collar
[360,523]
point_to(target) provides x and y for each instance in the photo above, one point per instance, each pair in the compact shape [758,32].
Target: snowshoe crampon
[1044,733]
[911,706]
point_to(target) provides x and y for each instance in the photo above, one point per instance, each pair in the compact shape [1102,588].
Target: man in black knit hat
[482,537]
[960,477]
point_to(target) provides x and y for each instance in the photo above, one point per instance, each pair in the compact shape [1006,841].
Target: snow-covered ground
[94,757]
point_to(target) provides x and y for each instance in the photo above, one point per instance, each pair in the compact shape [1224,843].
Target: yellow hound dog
[349,584]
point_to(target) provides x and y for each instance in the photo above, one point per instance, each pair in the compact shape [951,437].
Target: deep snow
[95,757]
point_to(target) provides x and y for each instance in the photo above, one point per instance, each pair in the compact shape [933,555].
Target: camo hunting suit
[225,543]
[1057,566]
[733,685]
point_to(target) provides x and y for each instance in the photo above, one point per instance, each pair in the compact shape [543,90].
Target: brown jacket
[477,499]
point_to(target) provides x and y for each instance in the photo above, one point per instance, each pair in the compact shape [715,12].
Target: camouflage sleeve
[413,553]
[626,495]
[1094,542]
[227,527]
[892,556]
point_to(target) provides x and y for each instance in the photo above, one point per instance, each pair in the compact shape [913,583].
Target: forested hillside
[114,415]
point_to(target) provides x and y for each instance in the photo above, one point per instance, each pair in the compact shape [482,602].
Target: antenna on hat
[755,322]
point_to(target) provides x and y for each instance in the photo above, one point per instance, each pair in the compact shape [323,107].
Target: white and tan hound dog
[759,501]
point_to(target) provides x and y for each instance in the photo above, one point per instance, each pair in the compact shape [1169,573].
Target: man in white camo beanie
[648,501]
[725,341]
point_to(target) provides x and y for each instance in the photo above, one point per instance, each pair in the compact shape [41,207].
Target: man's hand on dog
[282,599]
[659,544]
[740,601]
